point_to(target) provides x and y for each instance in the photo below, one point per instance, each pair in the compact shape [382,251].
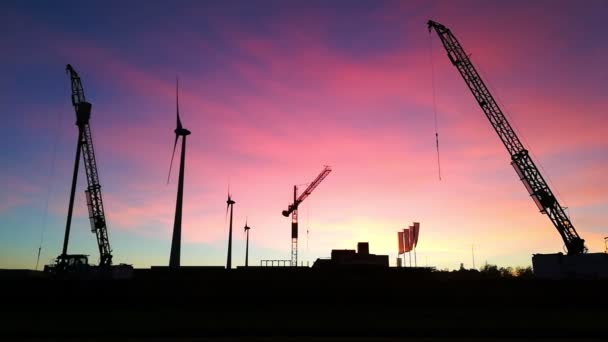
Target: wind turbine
[247,244]
[176,242]
[229,204]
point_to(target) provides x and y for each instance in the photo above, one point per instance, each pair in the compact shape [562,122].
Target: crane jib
[525,168]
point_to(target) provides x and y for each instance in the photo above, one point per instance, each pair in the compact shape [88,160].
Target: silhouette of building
[351,258]
[558,266]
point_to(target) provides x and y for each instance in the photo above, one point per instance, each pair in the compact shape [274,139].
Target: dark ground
[305,304]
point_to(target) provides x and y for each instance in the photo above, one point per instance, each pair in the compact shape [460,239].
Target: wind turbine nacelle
[182,131]
[285,213]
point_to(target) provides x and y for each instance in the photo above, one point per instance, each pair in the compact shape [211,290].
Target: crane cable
[434,103]
[307,230]
[50,189]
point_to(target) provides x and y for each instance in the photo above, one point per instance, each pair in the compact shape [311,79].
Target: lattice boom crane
[93,191]
[520,159]
[293,210]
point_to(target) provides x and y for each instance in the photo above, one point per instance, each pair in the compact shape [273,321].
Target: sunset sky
[274,90]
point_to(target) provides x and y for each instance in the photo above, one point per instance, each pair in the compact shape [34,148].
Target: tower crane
[293,210]
[93,192]
[520,159]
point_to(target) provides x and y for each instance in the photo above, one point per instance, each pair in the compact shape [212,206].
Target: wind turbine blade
[172,156]
[226,217]
[227,203]
[179,122]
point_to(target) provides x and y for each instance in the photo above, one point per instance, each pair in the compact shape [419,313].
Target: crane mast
[293,210]
[520,159]
[93,191]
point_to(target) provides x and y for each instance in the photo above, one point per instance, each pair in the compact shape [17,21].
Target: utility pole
[473,254]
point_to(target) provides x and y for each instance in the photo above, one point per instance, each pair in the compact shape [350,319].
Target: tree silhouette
[490,270]
[524,272]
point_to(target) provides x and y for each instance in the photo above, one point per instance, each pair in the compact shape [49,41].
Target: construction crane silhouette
[84,146]
[520,159]
[293,210]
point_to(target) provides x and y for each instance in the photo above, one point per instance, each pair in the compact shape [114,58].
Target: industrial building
[560,266]
[351,258]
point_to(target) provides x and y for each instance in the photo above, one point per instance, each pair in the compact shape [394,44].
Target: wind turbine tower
[247,244]
[229,204]
[176,242]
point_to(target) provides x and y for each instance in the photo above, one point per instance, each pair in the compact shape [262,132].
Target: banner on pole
[416,232]
[407,240]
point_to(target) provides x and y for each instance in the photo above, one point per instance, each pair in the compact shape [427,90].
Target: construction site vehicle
[77,265]
[70,263]
[525,168]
